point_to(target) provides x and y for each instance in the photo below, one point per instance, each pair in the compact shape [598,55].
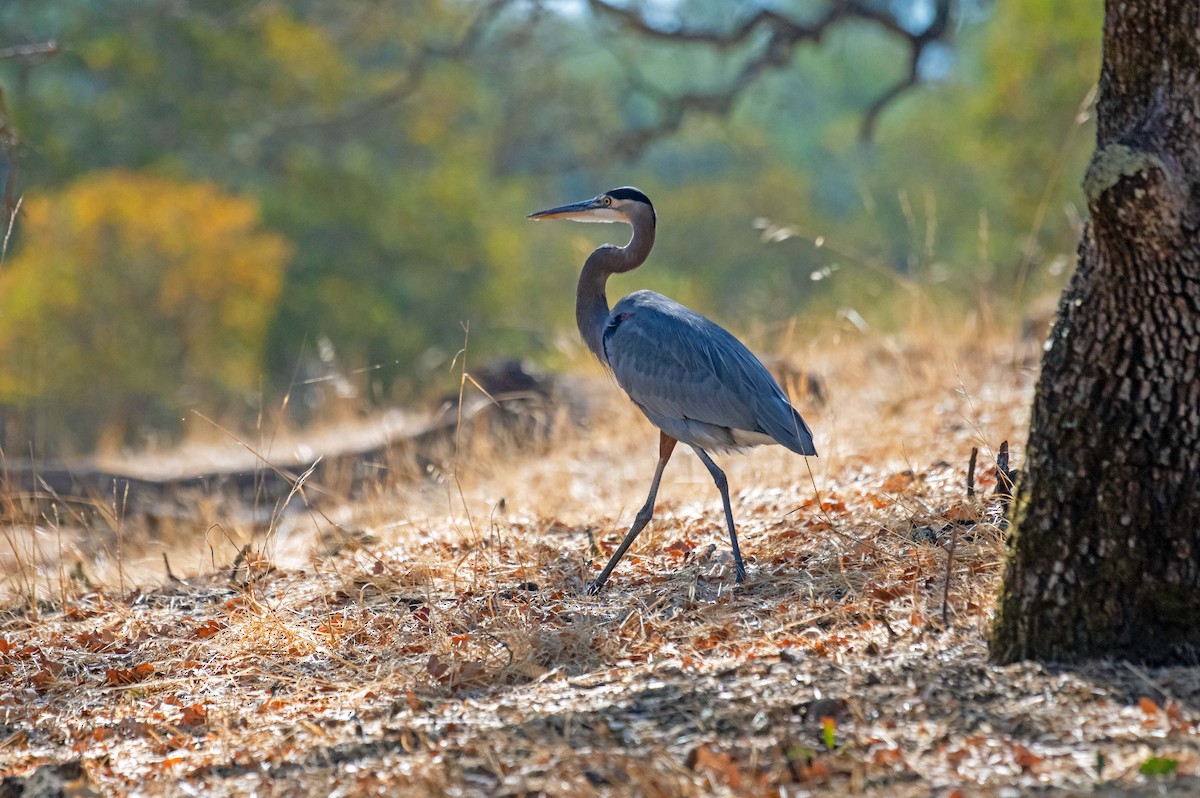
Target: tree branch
[783,36]
[936,31]
[765,18]
[46,49]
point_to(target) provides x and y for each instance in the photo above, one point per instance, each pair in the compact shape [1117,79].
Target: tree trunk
[1104,558]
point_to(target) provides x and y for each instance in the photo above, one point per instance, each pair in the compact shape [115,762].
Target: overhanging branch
[780,36]
[45,49]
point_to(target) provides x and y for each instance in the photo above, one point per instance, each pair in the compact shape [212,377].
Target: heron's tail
[789,429]
[802,439]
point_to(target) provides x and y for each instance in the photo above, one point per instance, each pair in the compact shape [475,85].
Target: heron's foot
[594,587]
[739,573]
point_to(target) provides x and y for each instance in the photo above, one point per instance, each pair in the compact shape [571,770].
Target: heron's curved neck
[591,303]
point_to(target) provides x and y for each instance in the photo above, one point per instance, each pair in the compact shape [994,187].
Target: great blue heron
[692,379]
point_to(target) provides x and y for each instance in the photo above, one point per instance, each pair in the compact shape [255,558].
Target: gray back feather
[693,379]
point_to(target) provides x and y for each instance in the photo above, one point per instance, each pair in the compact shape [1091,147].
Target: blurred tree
[398,145]
[361,132]
[134,295]
[1104,557]
[1010,127]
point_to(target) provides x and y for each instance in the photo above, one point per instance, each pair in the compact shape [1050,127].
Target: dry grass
[435,639]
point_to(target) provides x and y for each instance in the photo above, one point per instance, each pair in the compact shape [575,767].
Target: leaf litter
[453,651]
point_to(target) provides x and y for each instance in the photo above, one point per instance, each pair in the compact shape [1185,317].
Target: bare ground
[435,639]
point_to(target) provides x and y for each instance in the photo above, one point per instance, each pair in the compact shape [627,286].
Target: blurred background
[299,209]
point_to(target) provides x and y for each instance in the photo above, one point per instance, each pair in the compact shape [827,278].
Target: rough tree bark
[1104,560]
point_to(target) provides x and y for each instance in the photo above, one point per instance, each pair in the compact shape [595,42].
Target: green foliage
[1158,766]
[1010,138]
[829,733]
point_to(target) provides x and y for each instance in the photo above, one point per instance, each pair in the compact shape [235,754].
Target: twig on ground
[971,472]
[241,557]
[1005,476]
[170,575]
[954,539]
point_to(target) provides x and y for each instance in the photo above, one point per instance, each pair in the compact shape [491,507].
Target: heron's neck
[591,303]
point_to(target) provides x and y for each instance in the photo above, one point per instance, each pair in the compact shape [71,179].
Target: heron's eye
[608,202]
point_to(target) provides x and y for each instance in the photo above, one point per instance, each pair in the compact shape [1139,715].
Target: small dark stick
[971,472]
[954,538]
[237,563]
[1004,476]
[170,576]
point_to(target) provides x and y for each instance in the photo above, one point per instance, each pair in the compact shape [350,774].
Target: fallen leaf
[886,756]
[898,482]
[436,668]
[712,762]
[958,513]
[42,680]
[194,715]
[1026,759]
[207,629]
[96,640]
[887,593]
[118,677]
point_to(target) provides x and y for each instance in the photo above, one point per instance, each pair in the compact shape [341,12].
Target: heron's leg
[723,485]
[666,445]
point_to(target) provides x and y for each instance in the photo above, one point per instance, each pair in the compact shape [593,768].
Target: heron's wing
[679,367]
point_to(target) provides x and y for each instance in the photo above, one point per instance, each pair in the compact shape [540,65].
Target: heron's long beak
[592,210]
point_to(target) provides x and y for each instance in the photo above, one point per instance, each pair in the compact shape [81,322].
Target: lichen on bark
[1112,163]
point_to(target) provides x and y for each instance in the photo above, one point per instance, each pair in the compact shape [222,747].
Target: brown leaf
[118,677]
[194,715]
[817,770]
[96,640]
[887,593]
[436,668]
[471,673]
[958,513]
[886,756]
[207,629]
[1026,759]
[898,482]
[713,762]
[42,680]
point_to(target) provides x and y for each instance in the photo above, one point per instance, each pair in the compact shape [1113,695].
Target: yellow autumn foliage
[132,294]
[307,55]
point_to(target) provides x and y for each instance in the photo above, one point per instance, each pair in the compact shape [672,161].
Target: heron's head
[625,204]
